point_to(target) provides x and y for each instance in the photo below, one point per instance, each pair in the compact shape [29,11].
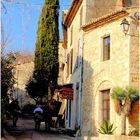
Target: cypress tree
[46,52]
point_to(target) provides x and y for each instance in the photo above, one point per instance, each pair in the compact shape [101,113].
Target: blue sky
[20,23]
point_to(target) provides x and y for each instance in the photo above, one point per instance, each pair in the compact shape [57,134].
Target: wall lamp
[125,24]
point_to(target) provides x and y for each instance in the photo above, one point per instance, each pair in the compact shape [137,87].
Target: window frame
[71,61]
[71,35]
[106,48]
[68,59]
[81,16]
[107,107]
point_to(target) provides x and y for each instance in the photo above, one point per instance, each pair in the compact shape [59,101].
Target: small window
[81,16]
[71,37]
[127,3]
[71,63]
[105,104]
[67,65]
[106,48]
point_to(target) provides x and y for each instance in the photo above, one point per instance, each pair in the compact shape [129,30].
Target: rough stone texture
[61,57]
[120,70]
[75,76]
[134,54]
[100,75]
[98,8]
[23,72]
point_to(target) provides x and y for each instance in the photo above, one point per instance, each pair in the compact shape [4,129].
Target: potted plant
[125,98]
[106,128]
[106,131]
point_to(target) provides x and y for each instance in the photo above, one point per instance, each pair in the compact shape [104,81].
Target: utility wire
[27,3]
[3,7]
[21,3]
[35,4]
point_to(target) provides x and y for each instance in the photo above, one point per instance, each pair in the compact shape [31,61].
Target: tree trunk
[49,92]
[123,123]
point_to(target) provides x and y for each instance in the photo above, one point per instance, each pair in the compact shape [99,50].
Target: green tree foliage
[35,88]
[7,82]
[7,77]
[46,52]
[129,92]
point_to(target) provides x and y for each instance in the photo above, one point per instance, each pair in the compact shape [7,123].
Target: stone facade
[101,75]
[23,71]
[62,59]
[97,21]
[98,8]
[134,53]
[73,43]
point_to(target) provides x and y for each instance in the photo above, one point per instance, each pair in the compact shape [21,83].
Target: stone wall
[74,77]
[23,72]
[101,75]
[134,54]
[98,8]
[62,59]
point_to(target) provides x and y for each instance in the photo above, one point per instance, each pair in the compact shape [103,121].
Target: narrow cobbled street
[25,131]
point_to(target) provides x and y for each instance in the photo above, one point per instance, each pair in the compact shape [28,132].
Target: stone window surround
[100,117]
[106,48]
[102,35]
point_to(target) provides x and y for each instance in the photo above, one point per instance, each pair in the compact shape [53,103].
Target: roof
[104,19]
[70,14]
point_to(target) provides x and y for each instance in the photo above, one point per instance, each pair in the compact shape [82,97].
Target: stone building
[61,57]
[72,43]
[24,67]
[111,59]
[106,58]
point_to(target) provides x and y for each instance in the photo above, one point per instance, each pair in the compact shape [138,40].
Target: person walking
[15,111]
[48,116]
[38,116]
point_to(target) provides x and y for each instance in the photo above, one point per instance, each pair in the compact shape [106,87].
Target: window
[105,104]
[127,3]
[71,63]
[67,65]
[81,16]
[106,48]
[71,37]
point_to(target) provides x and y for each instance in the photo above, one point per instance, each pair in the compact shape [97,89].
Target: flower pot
[134,115]
[117,106]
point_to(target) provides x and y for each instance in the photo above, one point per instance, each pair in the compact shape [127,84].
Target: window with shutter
[71,61]
[105,94]
[67,65]
[106,48]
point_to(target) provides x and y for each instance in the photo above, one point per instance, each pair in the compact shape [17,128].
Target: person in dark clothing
[38,116]
[48,116]
[15,111]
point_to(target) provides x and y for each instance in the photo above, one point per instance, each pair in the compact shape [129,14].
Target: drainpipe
[81,90]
